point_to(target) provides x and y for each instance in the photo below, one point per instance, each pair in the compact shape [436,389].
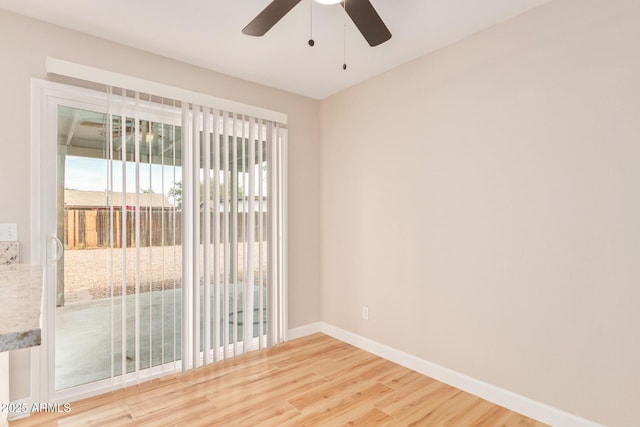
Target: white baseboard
[305,330]
[515,402]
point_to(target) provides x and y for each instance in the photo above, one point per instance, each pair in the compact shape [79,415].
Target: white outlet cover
[8,232]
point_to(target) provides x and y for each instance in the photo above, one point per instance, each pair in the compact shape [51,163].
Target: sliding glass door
[118,280]
[170,225]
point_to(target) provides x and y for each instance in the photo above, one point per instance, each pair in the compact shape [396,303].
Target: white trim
[105,385]
[38,87]
[97,75]
[4,386]
[305,330]
[510,400]
[44,96]
[284,308]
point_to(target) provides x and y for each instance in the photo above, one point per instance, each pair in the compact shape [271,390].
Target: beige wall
[484,203]
[24,43]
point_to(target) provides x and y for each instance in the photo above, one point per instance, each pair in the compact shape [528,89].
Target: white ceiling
[207,33]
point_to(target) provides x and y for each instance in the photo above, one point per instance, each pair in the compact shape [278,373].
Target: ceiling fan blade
[269,16]
[368,21]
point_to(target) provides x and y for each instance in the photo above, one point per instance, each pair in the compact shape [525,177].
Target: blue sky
[89,174]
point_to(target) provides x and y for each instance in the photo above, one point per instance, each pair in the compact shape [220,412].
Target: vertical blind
[234,195]
[225,230]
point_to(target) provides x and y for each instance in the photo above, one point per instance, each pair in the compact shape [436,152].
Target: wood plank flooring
[316,380]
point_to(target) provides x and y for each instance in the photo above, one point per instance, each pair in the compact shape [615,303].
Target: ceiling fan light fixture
[361,12]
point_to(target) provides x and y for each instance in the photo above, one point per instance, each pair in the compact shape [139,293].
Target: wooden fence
[91,228]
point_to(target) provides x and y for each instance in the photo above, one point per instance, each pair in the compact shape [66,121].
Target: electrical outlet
[365,313]
[8,232]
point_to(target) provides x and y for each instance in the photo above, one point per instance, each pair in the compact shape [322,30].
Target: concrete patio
[85,334]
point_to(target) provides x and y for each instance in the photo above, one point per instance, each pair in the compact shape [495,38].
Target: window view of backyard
[121,228]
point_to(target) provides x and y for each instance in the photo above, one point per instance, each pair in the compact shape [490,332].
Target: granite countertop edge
[19,340]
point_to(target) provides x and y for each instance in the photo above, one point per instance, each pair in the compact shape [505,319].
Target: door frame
[47,96]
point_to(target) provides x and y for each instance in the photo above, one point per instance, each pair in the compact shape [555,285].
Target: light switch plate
[8,232]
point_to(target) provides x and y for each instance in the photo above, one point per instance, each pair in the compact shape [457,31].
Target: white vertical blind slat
[242,243]
[162,242]
[216,235]
[206,243]
[282,233]
[187,229]
[261,234]
[277,291]
[279,242]
[123,220]
[136,139]
[271,228]
[111,230]
[225,228]
[251,215]
[195,206]
[234,231]
[148,139]
[175,245]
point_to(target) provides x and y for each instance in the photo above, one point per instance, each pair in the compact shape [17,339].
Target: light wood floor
[316,380]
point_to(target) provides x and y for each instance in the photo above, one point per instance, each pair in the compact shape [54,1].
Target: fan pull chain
[311,42]
[344,36]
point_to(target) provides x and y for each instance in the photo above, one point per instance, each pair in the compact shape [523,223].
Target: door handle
[59,249]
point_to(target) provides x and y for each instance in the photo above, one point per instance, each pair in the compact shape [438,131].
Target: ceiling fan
[361,12]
